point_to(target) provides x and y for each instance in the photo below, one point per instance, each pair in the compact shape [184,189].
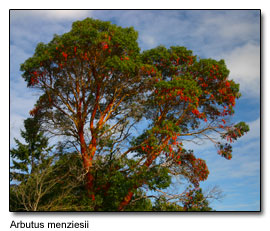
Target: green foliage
[163,205]
[195,201]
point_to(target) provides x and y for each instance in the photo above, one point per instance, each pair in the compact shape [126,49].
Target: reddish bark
[126,201]
[87,163]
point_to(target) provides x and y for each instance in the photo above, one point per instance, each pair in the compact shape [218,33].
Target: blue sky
[231,35]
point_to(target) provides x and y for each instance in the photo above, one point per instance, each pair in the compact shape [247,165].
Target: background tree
[97,89]
[52,186]
[26,157]
[41,179]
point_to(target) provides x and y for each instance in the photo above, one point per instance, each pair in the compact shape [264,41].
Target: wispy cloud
[234,206]
[246,169]
[49,15]
[16,124]
[244,65]
[216,30]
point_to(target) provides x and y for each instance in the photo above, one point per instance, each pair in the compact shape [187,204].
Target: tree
[26,157]
[42,180]
[37,174]
[97,90]
[52,186]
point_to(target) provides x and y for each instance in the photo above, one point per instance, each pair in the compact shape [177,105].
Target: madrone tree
[128,113]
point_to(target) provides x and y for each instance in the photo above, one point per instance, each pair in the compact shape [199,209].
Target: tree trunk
[87,155]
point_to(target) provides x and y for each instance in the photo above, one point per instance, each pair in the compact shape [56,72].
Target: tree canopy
[128,114]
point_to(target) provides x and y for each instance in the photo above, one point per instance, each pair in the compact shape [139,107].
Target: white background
[137,221]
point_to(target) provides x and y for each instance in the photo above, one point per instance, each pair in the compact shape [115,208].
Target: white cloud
[64,14]
[244,65]
[239,167]
[232,26]
[243,165]
[148,40]
[246,169]
[16,124]
[17,56]
[49,14]
[19,111]
[255,206]
[22,104]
